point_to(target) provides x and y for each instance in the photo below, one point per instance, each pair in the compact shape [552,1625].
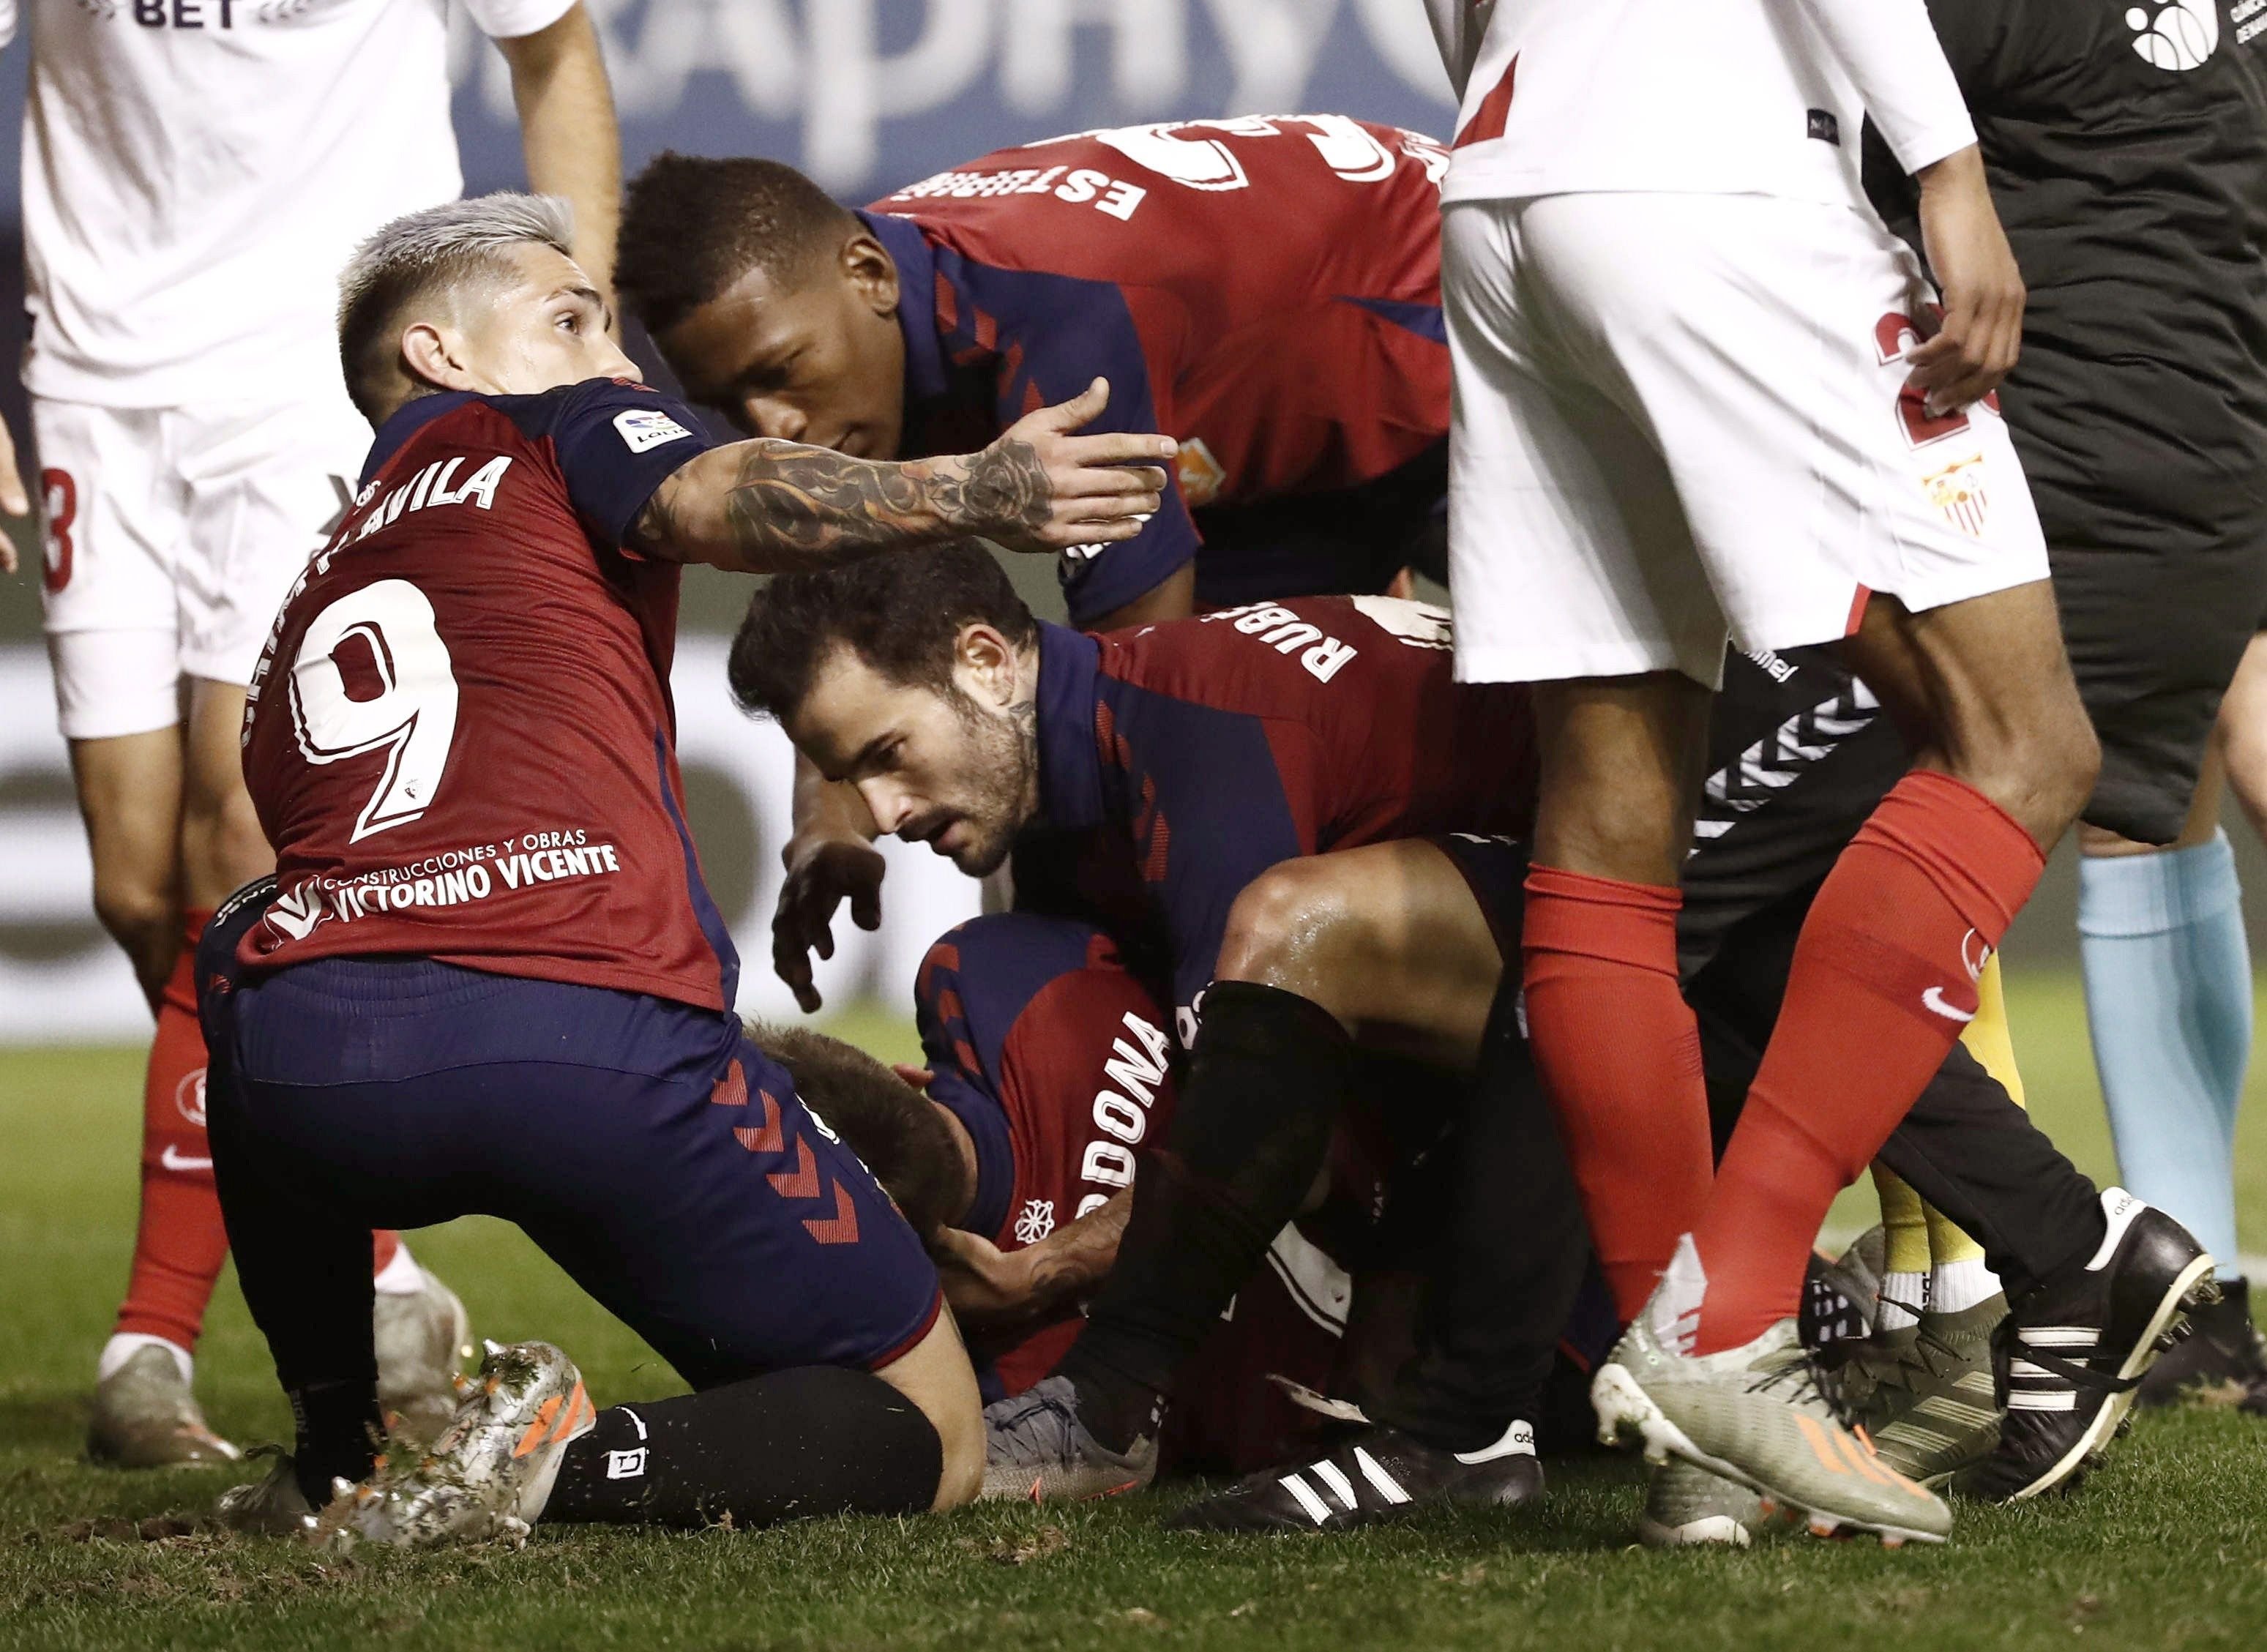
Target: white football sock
[401,1276]
[124,1345]
[1903,1296]
[1953,1286]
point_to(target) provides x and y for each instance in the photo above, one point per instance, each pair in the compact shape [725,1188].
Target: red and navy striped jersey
[460,739]
[1191,756]
[1266,290]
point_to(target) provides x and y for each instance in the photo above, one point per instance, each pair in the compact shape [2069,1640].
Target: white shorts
[173,535]
[1679,419]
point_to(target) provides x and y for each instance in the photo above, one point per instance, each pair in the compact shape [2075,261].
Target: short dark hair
[692,226]
[901,614]
[882,1119]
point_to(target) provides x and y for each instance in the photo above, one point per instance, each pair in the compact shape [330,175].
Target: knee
[1287,927]
[2043,773]
[139,907]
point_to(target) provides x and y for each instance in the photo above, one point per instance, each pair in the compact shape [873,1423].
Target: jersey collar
[916,260]
[406,420]
[1070,764]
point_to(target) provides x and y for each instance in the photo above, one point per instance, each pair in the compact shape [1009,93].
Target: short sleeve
[617,442]
[1100,579]
[510,19]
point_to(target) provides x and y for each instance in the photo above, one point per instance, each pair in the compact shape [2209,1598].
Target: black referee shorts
[2154,638]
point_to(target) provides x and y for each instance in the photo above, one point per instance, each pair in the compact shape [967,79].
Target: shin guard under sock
[1619,1054]
[1270,1074]
[1883,981]
[818,1440]
[179,1244]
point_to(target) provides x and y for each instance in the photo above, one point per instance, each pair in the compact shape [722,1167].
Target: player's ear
[432,354]
[865,264]
[989,659]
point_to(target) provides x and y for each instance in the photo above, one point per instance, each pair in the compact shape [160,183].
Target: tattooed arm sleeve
[768,507]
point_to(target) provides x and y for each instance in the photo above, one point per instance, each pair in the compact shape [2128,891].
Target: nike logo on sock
[1933,998]
[173,1159]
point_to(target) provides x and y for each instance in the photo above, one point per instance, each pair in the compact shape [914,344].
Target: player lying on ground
[489,976]
[1193,757]
[1049,1065]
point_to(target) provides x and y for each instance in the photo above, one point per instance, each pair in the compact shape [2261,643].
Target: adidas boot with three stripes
[1378,1475]
[2072,1352]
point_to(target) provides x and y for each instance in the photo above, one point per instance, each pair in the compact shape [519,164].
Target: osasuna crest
[1035,1220]
[2179,36]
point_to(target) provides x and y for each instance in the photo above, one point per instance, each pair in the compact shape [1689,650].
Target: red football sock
[180,1244]
[384,1245]
[1619,1055]
[1883,979]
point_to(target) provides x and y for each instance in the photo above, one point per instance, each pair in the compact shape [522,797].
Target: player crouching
[487,977]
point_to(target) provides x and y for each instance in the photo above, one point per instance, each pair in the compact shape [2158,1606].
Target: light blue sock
[2168,1001]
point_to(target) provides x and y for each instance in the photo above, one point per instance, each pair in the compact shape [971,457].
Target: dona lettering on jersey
[1136,1067]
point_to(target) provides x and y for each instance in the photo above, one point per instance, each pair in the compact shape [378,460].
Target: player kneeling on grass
[1274,801]
[488,976]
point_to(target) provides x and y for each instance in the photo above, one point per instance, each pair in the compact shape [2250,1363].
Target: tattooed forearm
[768,506]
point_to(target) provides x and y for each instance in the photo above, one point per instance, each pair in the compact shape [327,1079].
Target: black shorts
[2154,638]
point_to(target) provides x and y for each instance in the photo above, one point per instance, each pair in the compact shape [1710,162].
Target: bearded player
[195,178]
[489,976]
[1256,833]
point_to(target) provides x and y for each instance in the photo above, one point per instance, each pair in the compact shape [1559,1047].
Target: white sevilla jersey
[1709,97]
[197,171]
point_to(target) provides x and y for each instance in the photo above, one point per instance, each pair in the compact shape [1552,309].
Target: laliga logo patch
[2181,36]
[189,1098]
[642,428]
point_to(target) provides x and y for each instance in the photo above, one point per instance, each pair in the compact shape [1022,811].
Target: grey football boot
[145,1417]
[1687,1506]
[1755,1414]
[1036,1448]
[271,1507]
[423,1339]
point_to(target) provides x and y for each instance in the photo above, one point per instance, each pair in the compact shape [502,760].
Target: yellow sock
[1904,1266]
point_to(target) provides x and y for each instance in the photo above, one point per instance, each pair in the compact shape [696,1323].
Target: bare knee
[139,907]
[1293,928]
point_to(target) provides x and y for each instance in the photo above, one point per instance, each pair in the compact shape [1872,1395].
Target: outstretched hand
[820,876]
[1041,487]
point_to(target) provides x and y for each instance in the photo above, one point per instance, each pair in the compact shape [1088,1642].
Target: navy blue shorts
[647,1146]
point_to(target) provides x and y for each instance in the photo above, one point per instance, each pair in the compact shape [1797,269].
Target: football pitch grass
[2167,1547]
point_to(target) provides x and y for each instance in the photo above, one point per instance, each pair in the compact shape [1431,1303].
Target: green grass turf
[2167,1548]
